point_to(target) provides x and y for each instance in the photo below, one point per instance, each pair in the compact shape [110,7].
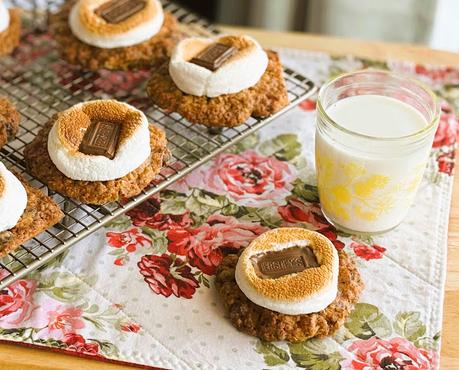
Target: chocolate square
[117,11]
[274,264]
[214,56]
[101,138]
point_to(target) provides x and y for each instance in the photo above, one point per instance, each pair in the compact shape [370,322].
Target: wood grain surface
[19,358]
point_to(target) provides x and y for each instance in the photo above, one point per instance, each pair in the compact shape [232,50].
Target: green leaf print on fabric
[284,147]
[203,203]
[374,64]
[65,286]
[450,92]
[198,202]
[14,333]
[173,203]
[408,325]
[316,354]
[301,165]
[120,223]
[107,348]
[51,342]
[428,343]
[202,279]
[366,321]
[272,354]
[102,319]
[158,239]
[268,216]
[306,192]
[342,335]
[249,142]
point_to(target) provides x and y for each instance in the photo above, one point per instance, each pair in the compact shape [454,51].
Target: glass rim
[414,135]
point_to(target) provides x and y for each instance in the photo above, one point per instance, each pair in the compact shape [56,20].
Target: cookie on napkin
[289,284]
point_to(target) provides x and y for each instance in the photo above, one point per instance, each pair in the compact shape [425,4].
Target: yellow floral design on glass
[347,190]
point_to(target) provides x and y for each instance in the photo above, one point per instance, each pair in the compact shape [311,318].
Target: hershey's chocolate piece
[214,56]
[101,138]
[117,11]
[274,264]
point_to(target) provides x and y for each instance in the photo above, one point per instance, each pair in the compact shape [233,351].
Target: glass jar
[367,183]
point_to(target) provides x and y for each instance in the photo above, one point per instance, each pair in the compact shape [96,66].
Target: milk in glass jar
[374,134]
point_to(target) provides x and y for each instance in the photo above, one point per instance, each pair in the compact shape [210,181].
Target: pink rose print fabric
[248,179]
[167,275]
[140,290]
[205,244]
[296,212]
[127,242]
[396,353]
[368,252]
[59,321]
[132,327]
[16,303]
[447,128]
[77,343]
[147,214]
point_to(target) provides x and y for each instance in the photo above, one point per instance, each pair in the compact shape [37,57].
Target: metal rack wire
[41,84]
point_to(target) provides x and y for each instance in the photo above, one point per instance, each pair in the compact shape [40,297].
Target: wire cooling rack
[41,84]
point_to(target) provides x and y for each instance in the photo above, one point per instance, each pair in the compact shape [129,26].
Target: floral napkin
[141,289]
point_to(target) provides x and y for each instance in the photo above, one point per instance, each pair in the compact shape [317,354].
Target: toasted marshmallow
[94,30]
[13,199]
[308,290]
[4,17]
[68,131]
[241,71]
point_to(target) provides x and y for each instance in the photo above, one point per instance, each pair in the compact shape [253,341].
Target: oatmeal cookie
[10,37]
[41,213]
[268,325]
[9,121]
[95,192]
[268,96]
[90,57]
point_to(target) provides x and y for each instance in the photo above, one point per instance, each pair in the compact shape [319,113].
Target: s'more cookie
[24,211]
[97,152]
[220,82]
[114,34]
[9,121]
[289,284]
[10,28]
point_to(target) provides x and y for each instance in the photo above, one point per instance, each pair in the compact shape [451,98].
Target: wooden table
[19,358]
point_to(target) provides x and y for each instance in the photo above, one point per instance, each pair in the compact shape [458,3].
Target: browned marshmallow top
[90,13]
[74,122]
[310,268]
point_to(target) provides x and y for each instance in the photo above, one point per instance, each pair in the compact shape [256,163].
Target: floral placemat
[141,289]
